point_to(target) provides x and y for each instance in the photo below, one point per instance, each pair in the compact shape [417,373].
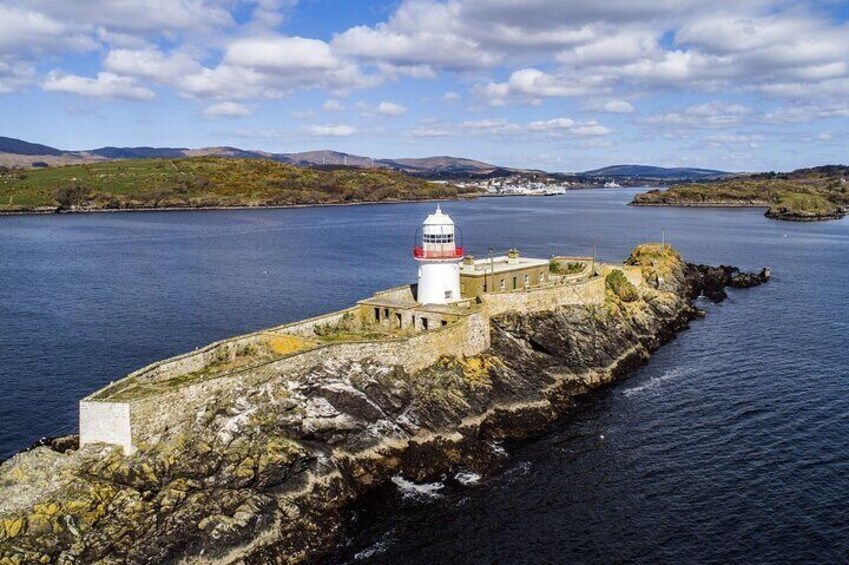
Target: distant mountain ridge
[15,152]
[659,173]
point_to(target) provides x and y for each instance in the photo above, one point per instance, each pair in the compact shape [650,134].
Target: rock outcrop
[264,474]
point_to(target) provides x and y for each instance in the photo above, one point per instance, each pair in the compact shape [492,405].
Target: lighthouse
[439,260]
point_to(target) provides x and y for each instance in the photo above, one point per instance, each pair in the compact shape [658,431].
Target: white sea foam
[411,489]
[371,551]
[497,448]
[467,478]
[656,382]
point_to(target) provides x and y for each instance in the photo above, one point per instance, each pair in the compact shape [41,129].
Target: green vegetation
[203,182]
[800,206]
[618,284]
[806,194]
[566,267]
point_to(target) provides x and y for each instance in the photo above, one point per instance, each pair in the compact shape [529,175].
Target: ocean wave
[417,490]
[467,478]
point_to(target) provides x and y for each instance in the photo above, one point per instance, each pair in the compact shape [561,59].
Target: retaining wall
[542,299]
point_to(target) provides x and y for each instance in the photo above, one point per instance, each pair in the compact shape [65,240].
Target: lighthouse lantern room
[439,259]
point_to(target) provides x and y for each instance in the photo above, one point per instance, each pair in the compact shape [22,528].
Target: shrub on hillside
[620,286]
[71,195]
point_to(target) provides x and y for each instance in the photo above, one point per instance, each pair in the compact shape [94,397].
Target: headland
[250,450]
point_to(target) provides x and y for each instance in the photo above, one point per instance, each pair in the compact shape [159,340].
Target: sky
[561,85]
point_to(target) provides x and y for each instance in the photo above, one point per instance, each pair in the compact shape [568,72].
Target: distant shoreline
[699,205]
[48,211]
[59,212]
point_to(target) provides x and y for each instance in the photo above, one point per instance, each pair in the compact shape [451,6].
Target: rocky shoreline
[265,475]
[773,212]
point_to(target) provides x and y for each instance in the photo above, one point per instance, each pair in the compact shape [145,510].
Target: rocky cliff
[264,475]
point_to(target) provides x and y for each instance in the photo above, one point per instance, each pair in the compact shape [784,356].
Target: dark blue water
[730,445]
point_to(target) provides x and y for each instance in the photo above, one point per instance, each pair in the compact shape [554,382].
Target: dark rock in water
[265,473]
[711,282]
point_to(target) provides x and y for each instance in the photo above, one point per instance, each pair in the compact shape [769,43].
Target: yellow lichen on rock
[12,527]
[476,369]
[286,344]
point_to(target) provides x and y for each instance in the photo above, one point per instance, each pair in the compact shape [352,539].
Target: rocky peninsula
[804,195]
[264,472]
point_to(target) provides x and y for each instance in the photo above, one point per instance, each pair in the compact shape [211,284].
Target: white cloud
[391,109]
[332,106]
[420,32]
[497,126]
[141,16]
[226,110]
[14,75]
[533,83]
[106,85]
[553,124]
[23,30]
[280,53]
[710,115]
[271,67]
[150,64]
[591,130]
[557,126]
[429,131]
[340,130]
[618,107]
[450,97]
[805,112]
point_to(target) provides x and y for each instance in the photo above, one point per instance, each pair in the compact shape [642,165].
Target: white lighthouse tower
[439,260]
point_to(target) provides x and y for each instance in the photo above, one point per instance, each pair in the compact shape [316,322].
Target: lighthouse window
[527,279]
[502,285]
[438,238]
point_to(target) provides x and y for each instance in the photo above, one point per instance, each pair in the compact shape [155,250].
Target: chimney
[513,256]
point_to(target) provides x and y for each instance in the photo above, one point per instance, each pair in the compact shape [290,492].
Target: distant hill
[140,152]
[205,182]
[442,164]
[18,147]
[17,153]
[326,157]
[658,173]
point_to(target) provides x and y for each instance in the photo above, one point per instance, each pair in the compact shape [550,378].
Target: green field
[201,182]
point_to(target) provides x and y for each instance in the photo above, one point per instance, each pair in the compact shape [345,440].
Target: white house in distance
[439,260]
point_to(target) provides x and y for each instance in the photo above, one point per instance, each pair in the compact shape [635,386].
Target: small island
[804,195]
[254,448]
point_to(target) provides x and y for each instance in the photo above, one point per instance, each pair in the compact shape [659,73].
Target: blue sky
[561,85]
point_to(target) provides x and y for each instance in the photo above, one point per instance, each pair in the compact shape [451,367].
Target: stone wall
[224,349]
[106,422]
[145,419]
[149,417]
[541,299]
[306,328]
